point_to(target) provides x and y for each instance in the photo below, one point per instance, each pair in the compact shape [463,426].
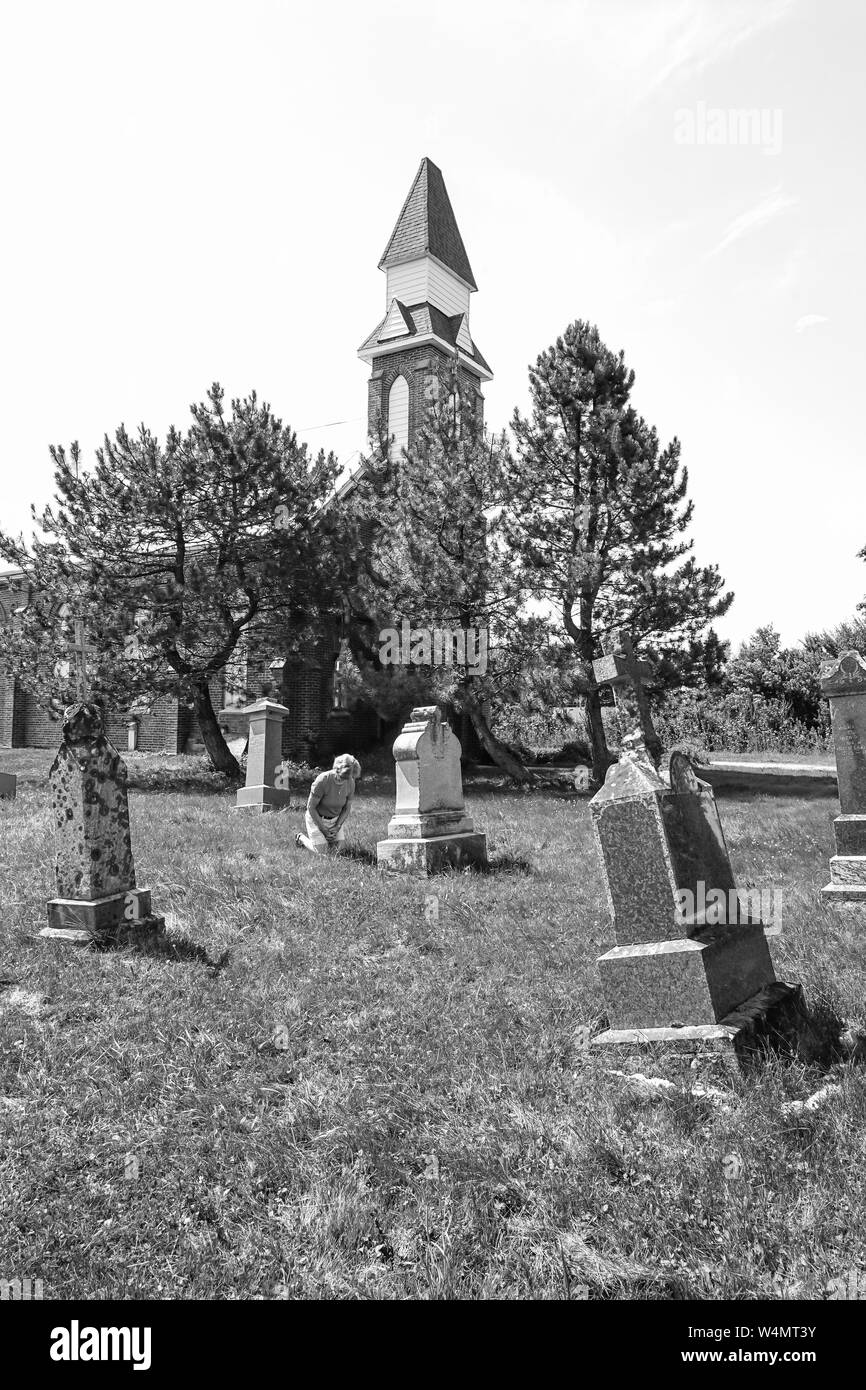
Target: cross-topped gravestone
[97,898]
[80,650]
[621,669]
[681,970]
[843,683]
[430,827]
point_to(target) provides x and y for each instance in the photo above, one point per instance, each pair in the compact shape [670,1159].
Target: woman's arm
[346,811]
[313,810]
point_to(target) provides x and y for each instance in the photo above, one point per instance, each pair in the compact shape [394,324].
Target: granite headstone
[681,966]
[97,897]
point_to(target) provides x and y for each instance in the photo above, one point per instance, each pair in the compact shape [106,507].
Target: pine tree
[171,553]
[597,511]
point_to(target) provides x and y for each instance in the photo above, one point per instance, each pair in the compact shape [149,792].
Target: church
[424,333]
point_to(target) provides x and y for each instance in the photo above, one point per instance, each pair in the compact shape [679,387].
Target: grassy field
[316,1089]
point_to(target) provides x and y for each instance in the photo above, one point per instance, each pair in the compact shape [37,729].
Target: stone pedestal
[97,897]
[430,828]
[8,785]
[264,758]
[843,682]
[688,954]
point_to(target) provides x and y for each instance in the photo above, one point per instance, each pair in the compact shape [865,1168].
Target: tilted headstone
[266,788]
[624,673]
[843,683]
[430,826]
[8,785]
[97,898]
[687,954]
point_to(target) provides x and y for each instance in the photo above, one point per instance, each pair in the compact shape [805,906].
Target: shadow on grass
[360,854]
[181,949]
[202,783]
[506,864]
[808,1031]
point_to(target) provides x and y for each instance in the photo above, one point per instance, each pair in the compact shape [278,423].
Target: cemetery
[325,1079]
[524,961]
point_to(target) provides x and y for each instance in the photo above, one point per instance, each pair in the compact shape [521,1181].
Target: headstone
[843,682]
[80,651]
[263,790]
[430,827]
[581,778]
[624,673]
[688,955]
[97,898]
[8,785]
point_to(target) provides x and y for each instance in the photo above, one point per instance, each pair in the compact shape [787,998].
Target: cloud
[695,38]
[764,211]
[809,321]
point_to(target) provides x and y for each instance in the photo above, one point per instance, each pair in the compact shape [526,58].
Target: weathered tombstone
[624,673]
[843,682]
[581,778]
[265,788]
[8,785]
[430,827]
[97,898]
[691,965]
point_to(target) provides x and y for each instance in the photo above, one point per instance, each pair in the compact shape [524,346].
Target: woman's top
[329,795]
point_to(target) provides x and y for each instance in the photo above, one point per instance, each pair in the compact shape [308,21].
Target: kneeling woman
[330,802]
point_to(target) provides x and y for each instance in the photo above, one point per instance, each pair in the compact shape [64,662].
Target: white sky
[197,191]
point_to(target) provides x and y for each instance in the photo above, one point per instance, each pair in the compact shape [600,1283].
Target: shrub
[739,722]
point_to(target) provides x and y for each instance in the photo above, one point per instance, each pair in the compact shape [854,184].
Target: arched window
[398,416]
[455,412]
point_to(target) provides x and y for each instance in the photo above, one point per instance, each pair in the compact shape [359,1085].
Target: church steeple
[428,284]
[427,227]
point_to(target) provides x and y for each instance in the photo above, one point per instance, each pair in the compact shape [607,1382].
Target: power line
[307,429]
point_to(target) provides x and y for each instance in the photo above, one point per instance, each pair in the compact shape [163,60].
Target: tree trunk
[511,765]
[601,755]
[221,756]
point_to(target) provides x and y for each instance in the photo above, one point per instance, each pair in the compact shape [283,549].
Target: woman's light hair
[345,760]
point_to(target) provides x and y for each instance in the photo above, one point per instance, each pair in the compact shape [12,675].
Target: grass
[327,1091]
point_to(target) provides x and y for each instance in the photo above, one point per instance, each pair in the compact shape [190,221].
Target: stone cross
[430,826]
[624,673]
[681,967]
[843,683]
[266,786]
[97,897]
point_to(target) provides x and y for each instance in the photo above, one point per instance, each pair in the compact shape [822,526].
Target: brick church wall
[425,369]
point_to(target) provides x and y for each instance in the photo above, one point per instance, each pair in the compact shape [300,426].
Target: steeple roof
[427,226]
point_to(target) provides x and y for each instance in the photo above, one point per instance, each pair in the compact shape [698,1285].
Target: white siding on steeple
[395,325]
[446,291]
[407,282]
[464,339]
[398,415]
[425,281]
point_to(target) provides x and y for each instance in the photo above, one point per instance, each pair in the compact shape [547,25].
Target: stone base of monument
[262,798]
[773,1018]
[694,980]
[844,894]
[425,856]
[421,842]
[847,886]
[121,919]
